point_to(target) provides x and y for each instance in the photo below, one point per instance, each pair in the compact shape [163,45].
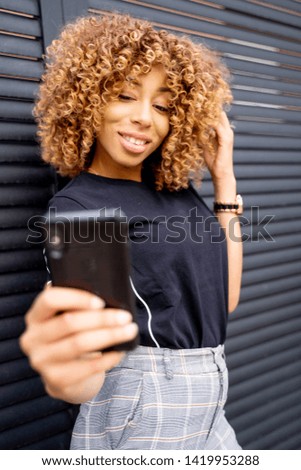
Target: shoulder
[72,196]
[64,203]
[199,199]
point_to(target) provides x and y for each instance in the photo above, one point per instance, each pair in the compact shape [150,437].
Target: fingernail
[123,317]
[131,329]
[96,303]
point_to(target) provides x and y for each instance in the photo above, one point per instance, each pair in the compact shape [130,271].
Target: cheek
[112,112]
[164,128]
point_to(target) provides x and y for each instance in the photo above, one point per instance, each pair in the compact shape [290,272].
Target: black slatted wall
[261,43]
[28,418]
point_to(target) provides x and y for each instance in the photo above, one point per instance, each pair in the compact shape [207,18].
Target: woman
[134,115]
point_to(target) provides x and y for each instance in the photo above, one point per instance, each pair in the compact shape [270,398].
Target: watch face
[239,201]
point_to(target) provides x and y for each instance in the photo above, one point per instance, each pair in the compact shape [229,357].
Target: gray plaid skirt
[159,399]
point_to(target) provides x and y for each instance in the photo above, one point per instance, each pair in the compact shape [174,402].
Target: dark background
[261,43]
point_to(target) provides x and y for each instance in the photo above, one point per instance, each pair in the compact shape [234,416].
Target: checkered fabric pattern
[159,399]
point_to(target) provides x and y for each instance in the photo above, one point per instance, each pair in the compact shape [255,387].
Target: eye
[162,109]
[125,97]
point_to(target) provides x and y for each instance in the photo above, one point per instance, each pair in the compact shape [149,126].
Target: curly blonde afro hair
[86,68]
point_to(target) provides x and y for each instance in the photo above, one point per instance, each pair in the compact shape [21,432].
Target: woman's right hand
[65,349]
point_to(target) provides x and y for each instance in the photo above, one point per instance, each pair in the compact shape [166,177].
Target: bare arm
[64,348]
[222,173]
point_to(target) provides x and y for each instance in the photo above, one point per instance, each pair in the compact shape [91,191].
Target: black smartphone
[90,250]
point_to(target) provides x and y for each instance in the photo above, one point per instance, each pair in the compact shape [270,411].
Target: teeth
[134,141]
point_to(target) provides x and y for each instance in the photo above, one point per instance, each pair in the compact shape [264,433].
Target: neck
[124,175]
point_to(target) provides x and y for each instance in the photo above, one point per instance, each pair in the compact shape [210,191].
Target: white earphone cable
[148,312]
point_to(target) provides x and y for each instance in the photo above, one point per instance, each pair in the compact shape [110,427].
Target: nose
[142,114]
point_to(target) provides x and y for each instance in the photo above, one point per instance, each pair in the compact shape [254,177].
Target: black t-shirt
[178,256]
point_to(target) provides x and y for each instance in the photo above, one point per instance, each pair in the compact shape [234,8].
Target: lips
[134,142]
[135,136]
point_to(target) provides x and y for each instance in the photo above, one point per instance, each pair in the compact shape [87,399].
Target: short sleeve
[64,203]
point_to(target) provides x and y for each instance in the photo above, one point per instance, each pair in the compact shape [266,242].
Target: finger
[76,346]
[56,299]
[94,340]
[224,124]
[224,131]
[224,118]
[68,375]
[73,322]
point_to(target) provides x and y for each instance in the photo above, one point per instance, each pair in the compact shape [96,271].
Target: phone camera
[55,240]
[55,246]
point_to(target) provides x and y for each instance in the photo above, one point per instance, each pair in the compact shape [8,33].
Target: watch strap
[235,207]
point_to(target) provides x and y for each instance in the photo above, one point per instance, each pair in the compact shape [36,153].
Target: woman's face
[133,127]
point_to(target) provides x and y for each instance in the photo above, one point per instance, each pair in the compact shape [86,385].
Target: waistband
[175,361]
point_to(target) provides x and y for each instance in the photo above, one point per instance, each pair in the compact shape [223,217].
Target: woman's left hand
[220,165]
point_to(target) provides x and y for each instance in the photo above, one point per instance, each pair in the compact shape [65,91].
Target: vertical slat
[52,19]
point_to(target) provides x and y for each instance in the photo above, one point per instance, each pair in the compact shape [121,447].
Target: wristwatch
[235,207]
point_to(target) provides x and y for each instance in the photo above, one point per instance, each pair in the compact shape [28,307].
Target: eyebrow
[162,89]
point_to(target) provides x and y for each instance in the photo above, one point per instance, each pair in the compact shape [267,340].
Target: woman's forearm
[225,191]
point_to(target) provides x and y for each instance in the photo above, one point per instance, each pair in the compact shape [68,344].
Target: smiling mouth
[134,141]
